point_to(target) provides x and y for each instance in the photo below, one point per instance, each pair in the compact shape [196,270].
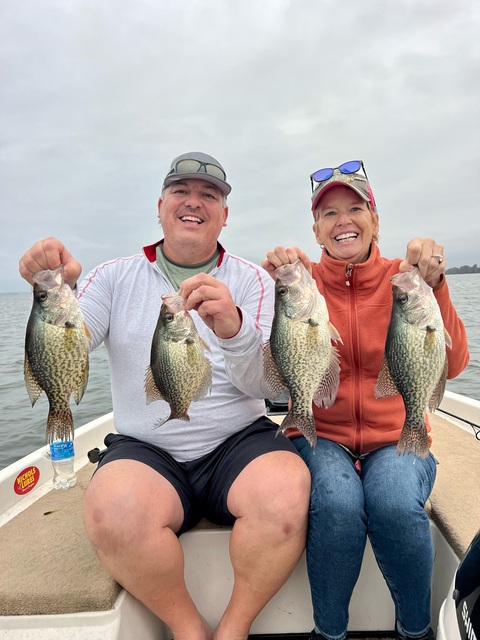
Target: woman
[360,485]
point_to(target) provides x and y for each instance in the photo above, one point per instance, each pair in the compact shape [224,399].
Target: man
[154,483]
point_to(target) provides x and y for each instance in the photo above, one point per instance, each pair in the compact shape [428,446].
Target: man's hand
[212,300]
[49,254]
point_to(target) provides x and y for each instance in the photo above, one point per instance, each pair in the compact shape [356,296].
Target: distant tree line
[465,269]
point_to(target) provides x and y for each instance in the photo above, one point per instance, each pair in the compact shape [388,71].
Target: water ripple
[22,429]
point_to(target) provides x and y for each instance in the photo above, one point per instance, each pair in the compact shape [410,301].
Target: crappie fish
[56,351]
[300,355]
[179,371]
[415,362]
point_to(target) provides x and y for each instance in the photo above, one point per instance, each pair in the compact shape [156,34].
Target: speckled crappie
[56,351]
[300,355]
[415,363]
[179,370]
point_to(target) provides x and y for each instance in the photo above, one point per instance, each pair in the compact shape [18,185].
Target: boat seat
[48,566]
[454,502]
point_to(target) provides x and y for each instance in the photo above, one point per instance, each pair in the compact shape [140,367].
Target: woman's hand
[427,256]
[285,255]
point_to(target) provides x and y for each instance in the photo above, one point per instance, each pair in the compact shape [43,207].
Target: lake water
[22,428]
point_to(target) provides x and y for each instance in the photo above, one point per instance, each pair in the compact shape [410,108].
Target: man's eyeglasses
[321,175]
[195,166]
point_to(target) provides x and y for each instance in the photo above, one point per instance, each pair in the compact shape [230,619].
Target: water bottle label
[61,450]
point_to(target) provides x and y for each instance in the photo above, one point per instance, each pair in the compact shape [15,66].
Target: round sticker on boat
[26,480]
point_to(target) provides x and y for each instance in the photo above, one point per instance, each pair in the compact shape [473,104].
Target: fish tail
[413,439]
[174,415]
[304,423]
[60,425]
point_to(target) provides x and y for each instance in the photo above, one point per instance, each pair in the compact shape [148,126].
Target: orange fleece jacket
[359,301]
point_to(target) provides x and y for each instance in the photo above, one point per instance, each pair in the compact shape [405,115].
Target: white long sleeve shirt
[121,301]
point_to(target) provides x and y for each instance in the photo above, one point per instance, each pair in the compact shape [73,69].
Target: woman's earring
[322,246]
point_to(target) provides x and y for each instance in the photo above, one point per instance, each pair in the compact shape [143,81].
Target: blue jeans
[384,500]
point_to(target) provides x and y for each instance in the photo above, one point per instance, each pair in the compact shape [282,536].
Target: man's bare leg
[131,514]
[270,499]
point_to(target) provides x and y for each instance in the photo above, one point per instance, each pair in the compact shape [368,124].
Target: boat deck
[354,635]
[48,541]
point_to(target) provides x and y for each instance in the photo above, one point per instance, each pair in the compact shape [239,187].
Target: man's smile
[190,218]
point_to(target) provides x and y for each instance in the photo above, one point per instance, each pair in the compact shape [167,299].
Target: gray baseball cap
[198,166]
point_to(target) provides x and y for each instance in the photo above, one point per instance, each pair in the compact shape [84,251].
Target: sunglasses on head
[195,166]
[321,175]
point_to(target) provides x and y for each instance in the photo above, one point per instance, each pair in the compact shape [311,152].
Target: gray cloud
[96,99]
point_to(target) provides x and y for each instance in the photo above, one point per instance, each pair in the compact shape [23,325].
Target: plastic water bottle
[63,458]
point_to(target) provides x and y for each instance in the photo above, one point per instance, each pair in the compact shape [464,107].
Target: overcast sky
[98,96]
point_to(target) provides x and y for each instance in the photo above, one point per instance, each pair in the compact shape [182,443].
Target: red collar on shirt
[150,252]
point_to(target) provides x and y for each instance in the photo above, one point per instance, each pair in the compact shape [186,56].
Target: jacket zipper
[348,273]
[354,333]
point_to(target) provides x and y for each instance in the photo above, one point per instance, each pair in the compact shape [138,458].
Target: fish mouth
[173,302]
[344,238]
[191,218]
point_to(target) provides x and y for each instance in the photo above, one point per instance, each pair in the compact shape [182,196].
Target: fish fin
[326,392]
[413,439]
[78,393]
[151,389]
[274,379]
[205,345]
[448,338]
[59,425]
[207,383]
[439,390]
[31,383]
[385,386]
[88,333]
[430,340]
[334,335]
[305,424]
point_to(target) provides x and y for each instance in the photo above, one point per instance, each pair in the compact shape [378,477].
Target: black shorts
[203,484]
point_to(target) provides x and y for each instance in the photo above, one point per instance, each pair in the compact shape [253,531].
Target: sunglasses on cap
[195,166]
[321,175]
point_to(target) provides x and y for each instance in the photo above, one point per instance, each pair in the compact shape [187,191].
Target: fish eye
[403,298]
[168,317]
[42,296]
[282,290]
